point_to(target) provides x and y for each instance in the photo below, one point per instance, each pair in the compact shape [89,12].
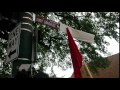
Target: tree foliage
[53,46]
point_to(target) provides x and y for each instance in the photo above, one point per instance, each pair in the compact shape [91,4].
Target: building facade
[111,72]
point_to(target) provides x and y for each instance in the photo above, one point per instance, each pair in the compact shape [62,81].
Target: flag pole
[88,70]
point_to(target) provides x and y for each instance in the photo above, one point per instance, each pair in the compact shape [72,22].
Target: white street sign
[80,35]
[13,44]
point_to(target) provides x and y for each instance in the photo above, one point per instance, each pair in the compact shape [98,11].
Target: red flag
[75,55]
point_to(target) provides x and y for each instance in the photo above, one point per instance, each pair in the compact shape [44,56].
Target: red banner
[75,55]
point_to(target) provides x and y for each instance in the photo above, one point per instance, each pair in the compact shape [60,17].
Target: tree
[53,48]
[4,69]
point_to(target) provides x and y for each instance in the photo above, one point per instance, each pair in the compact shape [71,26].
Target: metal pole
[36,40]
[25,47]
[88,70]
[34,48]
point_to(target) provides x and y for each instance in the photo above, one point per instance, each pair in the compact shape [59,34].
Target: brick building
[111,72]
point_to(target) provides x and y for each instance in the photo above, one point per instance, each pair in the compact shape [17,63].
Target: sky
[113,48]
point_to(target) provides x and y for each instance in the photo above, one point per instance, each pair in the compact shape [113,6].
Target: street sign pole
[25,47]
[34,49]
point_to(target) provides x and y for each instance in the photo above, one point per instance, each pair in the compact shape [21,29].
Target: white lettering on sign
[40,20]
[13,44]
[47,22]
[14,33]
